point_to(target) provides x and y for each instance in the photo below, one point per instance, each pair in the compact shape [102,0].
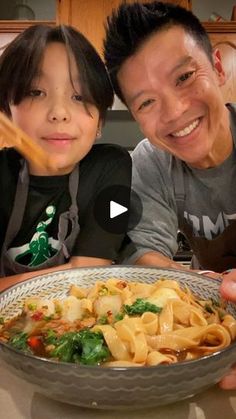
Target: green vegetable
[103,319]
[103,290]
[1,320]
[48,318]
[32,307]
[19,341]
[66,345]
[93,348]
[119,316]
[209,308]
[215,302]
[50,337]
[140,306]
[221,314]
[84,347]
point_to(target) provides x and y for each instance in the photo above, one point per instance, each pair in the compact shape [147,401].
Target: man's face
[173,92]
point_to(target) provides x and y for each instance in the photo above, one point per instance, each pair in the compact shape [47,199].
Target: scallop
[107,303]
[161,296]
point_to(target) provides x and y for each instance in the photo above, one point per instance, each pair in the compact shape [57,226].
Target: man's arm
[157,259]
[155,236]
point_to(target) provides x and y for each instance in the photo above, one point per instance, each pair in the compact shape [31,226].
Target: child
[54,86]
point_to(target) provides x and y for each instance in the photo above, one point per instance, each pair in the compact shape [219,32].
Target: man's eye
[35,93]
[145,104]
[184,77]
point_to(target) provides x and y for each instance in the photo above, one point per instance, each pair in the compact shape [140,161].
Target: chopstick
[13,136]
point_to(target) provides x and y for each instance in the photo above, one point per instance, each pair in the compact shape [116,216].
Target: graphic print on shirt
[41,247]
[204,227]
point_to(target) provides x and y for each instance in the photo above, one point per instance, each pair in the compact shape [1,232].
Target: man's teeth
[186,130]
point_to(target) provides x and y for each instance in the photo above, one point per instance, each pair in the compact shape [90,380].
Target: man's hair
[21,61]
[131,25]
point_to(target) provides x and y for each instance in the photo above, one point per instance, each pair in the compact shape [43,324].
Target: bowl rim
[153,368]
[106,267]
[161,367]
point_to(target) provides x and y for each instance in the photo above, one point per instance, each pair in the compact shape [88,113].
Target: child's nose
[58,112]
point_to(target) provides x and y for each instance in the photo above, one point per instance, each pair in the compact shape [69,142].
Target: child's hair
[132,24]
[21,60]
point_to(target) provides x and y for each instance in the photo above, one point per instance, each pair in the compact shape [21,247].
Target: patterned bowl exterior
[113,388]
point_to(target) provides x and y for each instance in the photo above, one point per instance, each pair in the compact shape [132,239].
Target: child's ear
[219,67]
[99,130]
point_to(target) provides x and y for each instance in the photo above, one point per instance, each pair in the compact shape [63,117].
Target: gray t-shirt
[210,204]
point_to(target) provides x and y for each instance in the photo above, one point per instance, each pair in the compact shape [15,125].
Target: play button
[112,209]
[116,209]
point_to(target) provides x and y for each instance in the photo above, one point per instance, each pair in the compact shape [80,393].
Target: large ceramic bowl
[113,388]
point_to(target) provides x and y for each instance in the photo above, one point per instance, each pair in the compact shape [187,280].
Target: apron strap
[232,116]
[73,189]
[20,200]
[19,205]
[71,216]
[179,189]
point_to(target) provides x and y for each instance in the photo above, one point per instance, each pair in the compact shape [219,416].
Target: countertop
[18,400]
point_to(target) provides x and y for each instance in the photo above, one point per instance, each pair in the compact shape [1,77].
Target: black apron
[218,254]
[68,219]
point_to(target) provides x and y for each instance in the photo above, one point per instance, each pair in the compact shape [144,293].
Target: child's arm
[75,262]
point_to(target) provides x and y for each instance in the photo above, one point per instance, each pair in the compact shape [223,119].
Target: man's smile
[186,130]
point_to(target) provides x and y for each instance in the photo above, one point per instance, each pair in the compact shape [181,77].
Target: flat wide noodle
[134,328]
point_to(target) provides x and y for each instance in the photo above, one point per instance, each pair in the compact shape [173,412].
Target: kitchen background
[120,127]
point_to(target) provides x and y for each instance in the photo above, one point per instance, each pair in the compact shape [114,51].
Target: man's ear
[218,66]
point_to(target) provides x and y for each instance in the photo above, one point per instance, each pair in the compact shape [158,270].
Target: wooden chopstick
[15,137]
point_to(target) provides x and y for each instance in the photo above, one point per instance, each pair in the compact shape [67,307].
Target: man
[163,68]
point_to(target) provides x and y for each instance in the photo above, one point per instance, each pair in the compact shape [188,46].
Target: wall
[7,9]
[43,9]
[203,9]
[120,128]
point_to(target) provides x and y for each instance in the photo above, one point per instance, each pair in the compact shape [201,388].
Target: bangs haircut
[20,64]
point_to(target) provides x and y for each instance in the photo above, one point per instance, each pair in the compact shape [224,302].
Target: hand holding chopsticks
[13,136]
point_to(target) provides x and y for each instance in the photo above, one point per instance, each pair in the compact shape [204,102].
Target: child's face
[53,114]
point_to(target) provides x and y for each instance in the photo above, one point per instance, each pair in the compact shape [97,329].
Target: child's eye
[77,98]
[184,77]
[145,104]
[35,93]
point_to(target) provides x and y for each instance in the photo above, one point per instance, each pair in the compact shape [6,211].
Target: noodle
[124,324]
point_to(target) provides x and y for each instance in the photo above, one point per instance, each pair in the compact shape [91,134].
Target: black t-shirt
[104,166]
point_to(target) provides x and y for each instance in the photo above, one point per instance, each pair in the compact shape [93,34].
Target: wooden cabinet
[89,16]
[10,29]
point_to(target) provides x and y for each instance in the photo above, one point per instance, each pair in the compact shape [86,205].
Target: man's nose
[58,111]
[174,106]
